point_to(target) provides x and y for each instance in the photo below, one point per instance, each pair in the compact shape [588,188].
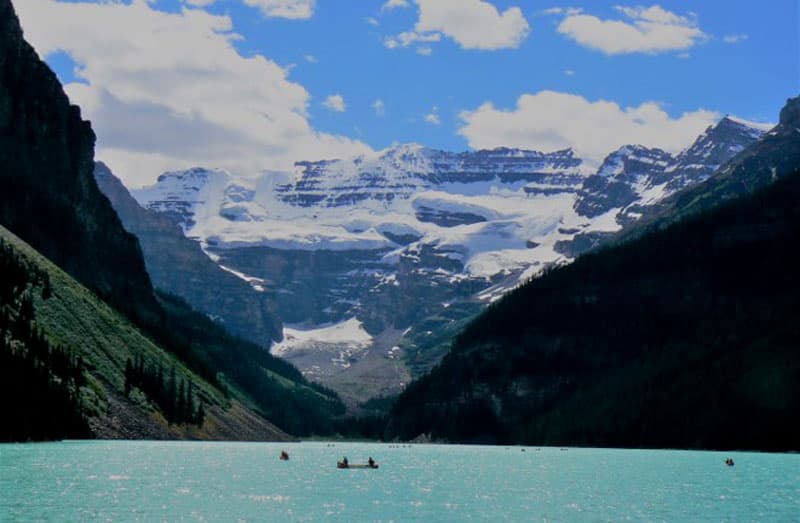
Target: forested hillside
[50,201]
[684,337]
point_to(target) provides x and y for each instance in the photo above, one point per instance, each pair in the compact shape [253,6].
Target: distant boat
[346,465]
[284,456]
[341,465]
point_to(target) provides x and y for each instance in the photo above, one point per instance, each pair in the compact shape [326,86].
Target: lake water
[180,481]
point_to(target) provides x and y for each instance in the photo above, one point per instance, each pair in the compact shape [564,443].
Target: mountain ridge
[671,338]
[51,202]
[357,237]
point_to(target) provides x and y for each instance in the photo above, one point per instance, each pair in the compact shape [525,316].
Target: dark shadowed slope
[49,197]
[65,355]
[50,201]
[685,337]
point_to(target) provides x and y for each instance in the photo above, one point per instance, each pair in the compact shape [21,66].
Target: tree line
[174,395]
[40,382]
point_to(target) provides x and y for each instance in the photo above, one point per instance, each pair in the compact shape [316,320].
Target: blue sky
[700,59]
[751,78]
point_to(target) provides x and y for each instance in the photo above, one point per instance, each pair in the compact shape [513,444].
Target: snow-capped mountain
[397,245]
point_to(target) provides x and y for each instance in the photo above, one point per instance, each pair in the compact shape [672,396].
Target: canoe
[341,465]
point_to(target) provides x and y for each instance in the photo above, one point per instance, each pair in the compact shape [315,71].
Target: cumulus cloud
[644,30]
[335,102]
[169,90]
[292,9]
[472,24]
[549,121]
[379,107]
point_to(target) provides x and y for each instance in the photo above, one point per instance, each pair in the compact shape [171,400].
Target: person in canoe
[344,463]
[371,462]
[284,456]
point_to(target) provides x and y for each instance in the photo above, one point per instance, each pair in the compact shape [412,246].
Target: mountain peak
[193,174]
[790,114]
[633,158]
[734,122]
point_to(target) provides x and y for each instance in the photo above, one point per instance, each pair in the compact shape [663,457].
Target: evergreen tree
[128,376]
[201,415]
[180,403]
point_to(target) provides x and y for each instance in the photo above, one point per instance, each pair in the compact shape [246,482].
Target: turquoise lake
[196,481]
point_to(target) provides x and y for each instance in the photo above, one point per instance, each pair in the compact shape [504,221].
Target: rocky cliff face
[49,197]
[178,265]
[410,241]
[635,177]
[776,155]
[401,172]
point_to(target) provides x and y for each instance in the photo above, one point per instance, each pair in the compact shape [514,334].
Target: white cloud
[169,90]
[424,51]
[549,121]
[646,30]
[335,102]
[569,11]
[569,72]
[407,38]
[379,107]
[433,117]
[310,58]
[734,39]
[372,21]
[292,9]
[473,24]
[196,3]
[394,4]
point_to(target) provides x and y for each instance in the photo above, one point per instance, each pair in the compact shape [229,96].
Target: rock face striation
[411,241]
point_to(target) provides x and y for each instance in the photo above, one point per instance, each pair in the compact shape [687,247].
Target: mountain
[395,250]
[685,335]
[178,266]
[64,375]
[107,339]
[636,179]
[771,158]
[49,197]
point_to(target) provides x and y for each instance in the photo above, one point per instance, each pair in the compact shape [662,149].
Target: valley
[392,250]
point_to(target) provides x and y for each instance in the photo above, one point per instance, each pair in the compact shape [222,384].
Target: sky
[254,85]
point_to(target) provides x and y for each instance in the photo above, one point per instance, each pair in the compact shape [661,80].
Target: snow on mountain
[187,197]
[331,347]
[391,239]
